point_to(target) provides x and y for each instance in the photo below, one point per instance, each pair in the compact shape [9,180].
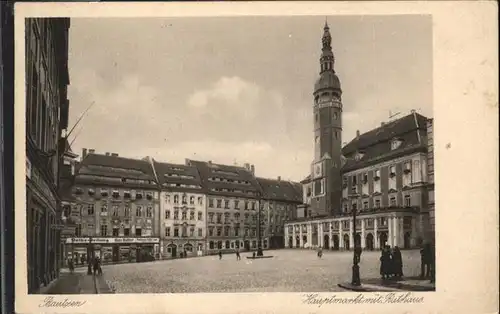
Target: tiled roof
[375,145]
[217,176]
[184,175]
[280,190]
[115,166]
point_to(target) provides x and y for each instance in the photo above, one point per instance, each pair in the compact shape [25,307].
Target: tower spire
[327,59]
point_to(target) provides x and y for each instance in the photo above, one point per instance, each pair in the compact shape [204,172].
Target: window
[219,231]
[104,230]
[191,232]
[138,232]
[191,200]
[176,232]
[376,174]
[167,214]
[167,198]
[176,214]
[115,211]
[219,218]
[210,202]
[78,230]
[219,203]
[104,207]
[116,231]
[395,144]
[167,231]
[127,211]
[354,184]
[236,232]
[383,221]
[226,203]
[393,201]
[126,232]
[200,200]
[335,116]
[226,231]
[184,215]
[365,178]
[365,205]
[377,203]
[345,208]
[211,231]
[211,217]
[200,232]
[126,194]
[392,171]
[176,199]
[354,205]
[138,211]
[236,204]
[149,212]
[408,200]
[200,216]
[138,195]
[184,200]
[191,215]
[90,209]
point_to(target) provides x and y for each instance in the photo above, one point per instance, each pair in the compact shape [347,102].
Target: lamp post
[259,236]
[356,280]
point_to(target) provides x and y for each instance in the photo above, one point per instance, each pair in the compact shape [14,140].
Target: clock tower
[327,108]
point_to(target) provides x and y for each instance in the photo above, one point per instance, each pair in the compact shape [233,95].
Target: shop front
[114,249]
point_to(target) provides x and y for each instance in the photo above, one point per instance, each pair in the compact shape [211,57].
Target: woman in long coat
[397,262]
[385,263]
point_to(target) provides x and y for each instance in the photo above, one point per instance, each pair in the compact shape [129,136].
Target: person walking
[220,254]
[71,265]
[397,262]
[425,261]
[238,257]
[385,262]
[320,252]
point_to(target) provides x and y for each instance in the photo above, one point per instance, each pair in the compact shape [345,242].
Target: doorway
[369,242]
[326,242]
[346,242]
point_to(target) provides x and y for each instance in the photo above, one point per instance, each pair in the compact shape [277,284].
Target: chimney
[252,169]
[107,153]
[247,166]
[187,162]
[114,154]
[357,133]
[209,162]
[413,111]
[382,124]
[91,151]
[279,178]
[84,153]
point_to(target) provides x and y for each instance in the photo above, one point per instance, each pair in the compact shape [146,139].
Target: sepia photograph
[163,156]
[222,154]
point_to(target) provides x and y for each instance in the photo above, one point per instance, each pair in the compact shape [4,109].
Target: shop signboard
[102,240]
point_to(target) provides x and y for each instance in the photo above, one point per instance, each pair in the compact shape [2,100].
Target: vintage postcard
[256,157]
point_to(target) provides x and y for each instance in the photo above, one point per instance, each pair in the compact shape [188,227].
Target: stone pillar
[390,228]
[363,239]
[413,237]
[341,236]
[401,232]
[396,231]
[330,235]
[309,235]
[351,234]
[376,243]
[285,235]
[301,242]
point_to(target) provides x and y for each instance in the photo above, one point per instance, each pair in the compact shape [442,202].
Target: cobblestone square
[288,271]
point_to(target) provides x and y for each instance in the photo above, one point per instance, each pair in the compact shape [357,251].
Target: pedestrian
[425,261]
[320,252]
[385,261]
[432,260]
[71,265]
[220,254]
[238,257]
[397,263]
[358,251]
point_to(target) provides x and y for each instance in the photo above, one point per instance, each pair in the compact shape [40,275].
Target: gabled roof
[115,167]
[178,174]
[375,145]
[280,190]
[216,178]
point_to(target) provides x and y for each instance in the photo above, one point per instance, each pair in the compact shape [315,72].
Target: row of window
[212,245]
[230,232]
[227,217]
[116,211]
[183,215]
[377,203]
[116,193]
[115,231]
[183,232]
[346,224]
[252,193]
[183,199]
[219,179]
[248,205]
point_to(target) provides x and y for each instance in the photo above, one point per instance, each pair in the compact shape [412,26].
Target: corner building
[182,210]
[47,109]
[382,174]
[117,209]
[233,198]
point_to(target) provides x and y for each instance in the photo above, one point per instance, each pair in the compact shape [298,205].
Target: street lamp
[259,236]
[356,280]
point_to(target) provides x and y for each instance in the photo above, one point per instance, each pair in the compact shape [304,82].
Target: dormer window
[396,143]
[126,194]
[104,192]
[365,178]
[116,194]
[376,175]
[78,191]
[149,196]
[359,156]
[138,195]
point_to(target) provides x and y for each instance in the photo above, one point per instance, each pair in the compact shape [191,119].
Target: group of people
[238,257]
[427,262]
[391,263]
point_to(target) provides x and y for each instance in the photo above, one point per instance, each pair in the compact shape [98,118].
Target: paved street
[288,271]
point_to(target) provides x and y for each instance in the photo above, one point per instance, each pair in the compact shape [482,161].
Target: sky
[238,90]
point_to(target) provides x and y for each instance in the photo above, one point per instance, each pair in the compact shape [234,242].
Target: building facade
[381,174]
[47,108]
[430,170]
[116,212]
[233,200]
[182,210]
[279,203]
